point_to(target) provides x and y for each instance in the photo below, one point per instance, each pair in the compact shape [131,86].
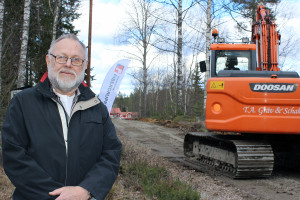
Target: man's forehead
[69,42]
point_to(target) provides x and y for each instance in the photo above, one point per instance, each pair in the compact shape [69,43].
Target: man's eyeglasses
[63,60]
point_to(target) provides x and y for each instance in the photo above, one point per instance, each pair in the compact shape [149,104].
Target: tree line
[27,28]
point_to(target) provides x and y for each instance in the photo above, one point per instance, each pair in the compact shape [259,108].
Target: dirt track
[168,143]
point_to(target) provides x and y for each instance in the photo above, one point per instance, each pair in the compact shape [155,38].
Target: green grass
[155,181]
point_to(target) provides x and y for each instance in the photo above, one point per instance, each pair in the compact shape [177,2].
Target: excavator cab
[239,57]
[230,56]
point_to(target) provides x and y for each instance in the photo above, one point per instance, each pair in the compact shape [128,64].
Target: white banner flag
[112,81]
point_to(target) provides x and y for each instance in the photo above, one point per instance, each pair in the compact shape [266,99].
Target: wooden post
[88,70]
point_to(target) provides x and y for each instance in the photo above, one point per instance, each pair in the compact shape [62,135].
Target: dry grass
[6,188]
[122,189]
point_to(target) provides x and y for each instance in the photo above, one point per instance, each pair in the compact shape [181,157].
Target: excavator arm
[267,40]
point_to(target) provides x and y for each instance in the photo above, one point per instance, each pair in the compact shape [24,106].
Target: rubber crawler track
[229,155]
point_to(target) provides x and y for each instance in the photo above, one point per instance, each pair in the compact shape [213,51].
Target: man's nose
[69,62]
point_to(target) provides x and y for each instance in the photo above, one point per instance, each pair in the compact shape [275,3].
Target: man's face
[65,78]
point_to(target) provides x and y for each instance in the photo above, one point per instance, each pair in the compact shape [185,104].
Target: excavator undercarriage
[229,155]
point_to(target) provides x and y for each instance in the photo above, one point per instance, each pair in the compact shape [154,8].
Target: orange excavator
[252,108]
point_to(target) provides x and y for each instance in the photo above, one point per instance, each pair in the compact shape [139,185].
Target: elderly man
[58,140]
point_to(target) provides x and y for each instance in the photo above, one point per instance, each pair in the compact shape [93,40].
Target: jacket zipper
[66,119]
[65,125]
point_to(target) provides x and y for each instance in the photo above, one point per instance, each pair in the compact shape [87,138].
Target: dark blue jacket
[34,153]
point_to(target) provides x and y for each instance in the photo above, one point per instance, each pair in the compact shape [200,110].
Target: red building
[115,112]
[129,115]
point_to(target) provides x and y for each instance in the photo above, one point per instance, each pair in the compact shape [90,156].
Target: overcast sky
[107,15]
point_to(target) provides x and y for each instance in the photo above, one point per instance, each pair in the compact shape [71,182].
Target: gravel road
[168,143]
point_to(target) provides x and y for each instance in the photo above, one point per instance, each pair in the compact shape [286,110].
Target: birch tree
[56,15]
[24,45]
[179,56]
[181,12]
[207,53]
[1,31]
[138,30]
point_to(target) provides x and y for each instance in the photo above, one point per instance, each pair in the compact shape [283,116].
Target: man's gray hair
[67,36]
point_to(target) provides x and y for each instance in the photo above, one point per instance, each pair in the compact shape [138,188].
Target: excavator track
[229,155]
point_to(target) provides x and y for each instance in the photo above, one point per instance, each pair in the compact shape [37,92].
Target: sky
[107,17]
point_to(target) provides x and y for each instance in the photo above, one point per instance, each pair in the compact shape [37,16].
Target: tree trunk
[170,88]
[156,100]
[157,91]
[179,58]
[145,49]
[208,33]
[1,33]
[145,83]
[153,98]
[55,21]
[24,45]
[173,86]
[140,103]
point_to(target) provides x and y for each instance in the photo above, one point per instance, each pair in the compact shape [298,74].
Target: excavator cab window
[231,63]
[232,60]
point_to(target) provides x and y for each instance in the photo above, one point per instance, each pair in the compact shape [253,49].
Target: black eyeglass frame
[67,58]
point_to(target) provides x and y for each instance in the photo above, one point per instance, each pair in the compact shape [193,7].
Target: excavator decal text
[273,87]
[272,110]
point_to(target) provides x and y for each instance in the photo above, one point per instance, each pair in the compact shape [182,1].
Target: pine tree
[197,93]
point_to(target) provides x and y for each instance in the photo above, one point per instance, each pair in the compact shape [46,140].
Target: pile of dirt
[183,126]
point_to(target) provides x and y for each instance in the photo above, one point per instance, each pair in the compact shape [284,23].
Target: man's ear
[47,60]
[86,64]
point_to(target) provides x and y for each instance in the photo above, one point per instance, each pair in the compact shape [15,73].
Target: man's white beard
[64,85]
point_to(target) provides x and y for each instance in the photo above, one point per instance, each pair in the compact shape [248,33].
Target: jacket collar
[44,87]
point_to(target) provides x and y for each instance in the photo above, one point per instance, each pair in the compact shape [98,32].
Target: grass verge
[144,173]
[156,183]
